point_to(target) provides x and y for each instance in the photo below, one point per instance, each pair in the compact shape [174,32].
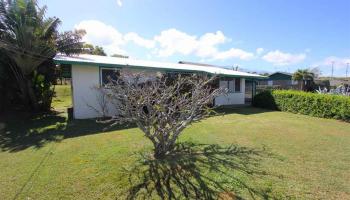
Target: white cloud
[233,53]
[325,65]
[134,37]
[168,43]
[339,63]
[280,58]
[173,41]
[120,3]
[214,38]
[206,45]
[101,34]
[98,33]
[259,51]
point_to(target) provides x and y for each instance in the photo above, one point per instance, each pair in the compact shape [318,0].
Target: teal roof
[280,76]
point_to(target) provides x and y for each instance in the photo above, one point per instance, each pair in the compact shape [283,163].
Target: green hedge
[318,105]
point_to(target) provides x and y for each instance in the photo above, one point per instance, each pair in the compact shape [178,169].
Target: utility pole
[347,69]
[332,69]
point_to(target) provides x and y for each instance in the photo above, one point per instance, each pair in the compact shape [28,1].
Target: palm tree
[303,75]
[29,39]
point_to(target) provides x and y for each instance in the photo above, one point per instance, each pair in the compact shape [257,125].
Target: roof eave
[107,65]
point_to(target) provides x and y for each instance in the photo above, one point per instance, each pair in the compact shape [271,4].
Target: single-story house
[89,71]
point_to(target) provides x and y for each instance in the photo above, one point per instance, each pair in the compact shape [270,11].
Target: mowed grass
[63,99]
[248,153]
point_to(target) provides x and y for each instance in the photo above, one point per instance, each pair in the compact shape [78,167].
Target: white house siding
[232,98]
[86,99]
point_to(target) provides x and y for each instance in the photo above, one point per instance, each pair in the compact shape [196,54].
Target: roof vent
[119,56]
[195,63]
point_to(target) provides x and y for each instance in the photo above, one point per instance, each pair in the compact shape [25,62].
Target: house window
[108,74]
[237,85]
[174,74]
[232,85]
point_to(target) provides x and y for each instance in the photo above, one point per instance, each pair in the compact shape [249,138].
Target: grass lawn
[249,153]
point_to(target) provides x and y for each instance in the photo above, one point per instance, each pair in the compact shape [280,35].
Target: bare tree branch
[161,106]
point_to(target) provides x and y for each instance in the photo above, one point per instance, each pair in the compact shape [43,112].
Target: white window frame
[230,85]
[106,68]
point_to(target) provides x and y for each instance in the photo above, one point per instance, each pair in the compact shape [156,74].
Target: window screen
[231,85]
[228,83]
[107,74]
[237,85]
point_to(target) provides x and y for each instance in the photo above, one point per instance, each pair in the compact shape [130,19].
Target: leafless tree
[101,101]
[160,106]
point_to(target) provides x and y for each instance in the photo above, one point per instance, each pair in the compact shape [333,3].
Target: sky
[255,35]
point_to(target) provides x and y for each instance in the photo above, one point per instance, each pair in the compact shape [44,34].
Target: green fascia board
[104,65]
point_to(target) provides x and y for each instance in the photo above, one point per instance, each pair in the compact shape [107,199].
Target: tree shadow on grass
[200,172]
[23,132]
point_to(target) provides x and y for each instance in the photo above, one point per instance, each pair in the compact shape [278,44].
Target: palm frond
[30,39]
[50,28]
[41,12]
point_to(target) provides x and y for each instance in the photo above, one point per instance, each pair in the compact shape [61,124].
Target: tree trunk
[162,149]
[302,85]
[31,95]
[28,95]
[159,153]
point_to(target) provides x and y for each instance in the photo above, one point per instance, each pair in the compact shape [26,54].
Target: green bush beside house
[317,105]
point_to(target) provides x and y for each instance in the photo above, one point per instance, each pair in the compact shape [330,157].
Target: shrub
[265,100]
[318,105]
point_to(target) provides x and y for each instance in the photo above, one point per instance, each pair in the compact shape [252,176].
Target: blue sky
[258,35]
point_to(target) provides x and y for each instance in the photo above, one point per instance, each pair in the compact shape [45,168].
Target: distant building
[281,80]
[338,82]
